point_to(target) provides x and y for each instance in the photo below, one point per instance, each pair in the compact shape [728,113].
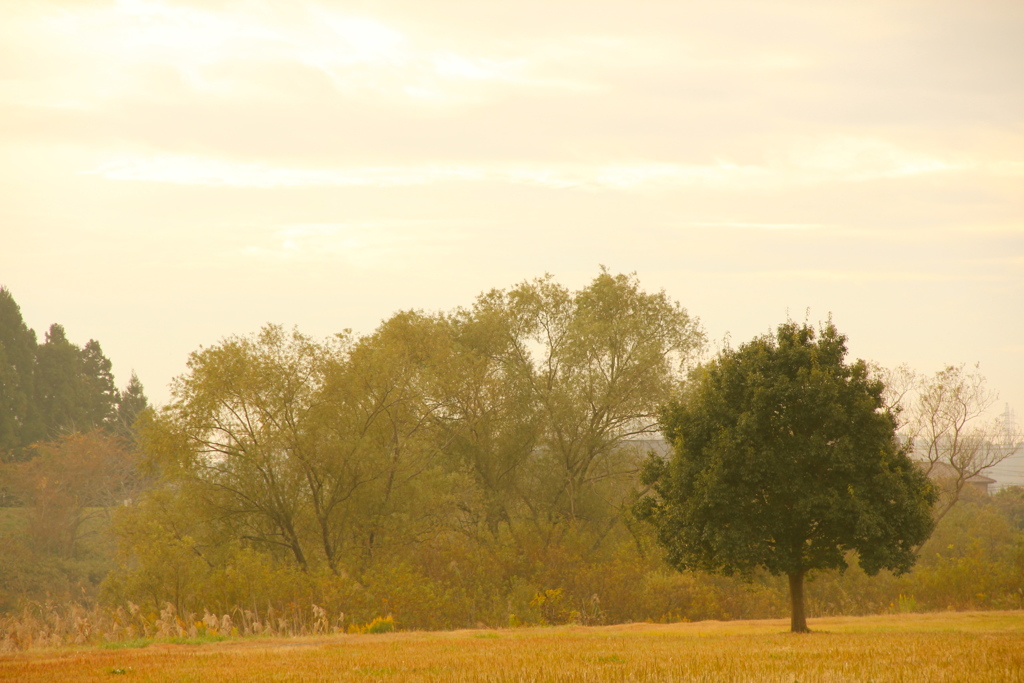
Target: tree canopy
[505,423]
[20,422]
[944,422]
[56,388]
[785,459]
[473,466]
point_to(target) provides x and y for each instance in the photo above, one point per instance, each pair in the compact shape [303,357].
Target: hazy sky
[171,173]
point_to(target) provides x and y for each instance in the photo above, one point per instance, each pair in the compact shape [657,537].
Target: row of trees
[481,466]
[56,387]
[67,460]
[509,435]
[507,424]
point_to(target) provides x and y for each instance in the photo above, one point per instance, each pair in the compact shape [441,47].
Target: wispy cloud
[832,161]
[865,276]
[367,244]
[860,158]
[755,226]
[113,49]
[189,170]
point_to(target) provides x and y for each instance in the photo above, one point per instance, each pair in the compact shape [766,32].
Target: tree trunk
[798,620]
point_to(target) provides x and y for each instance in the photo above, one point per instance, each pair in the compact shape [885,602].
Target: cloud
[365,245]
[111,51]
[866,276]
[190,170]
[756,226]
[860,158]
[842,160]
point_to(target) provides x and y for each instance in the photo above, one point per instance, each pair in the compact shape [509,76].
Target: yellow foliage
[378,625]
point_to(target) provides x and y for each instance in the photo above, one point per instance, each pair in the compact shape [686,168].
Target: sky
[175,172]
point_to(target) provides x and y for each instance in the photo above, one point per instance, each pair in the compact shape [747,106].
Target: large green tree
[785,459]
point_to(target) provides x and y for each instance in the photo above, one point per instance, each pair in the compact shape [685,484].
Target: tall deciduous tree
[234,432]
[73,479]
[578,375]
[786,459]
[375,480]
[950,435]
[488,417]
[316,450]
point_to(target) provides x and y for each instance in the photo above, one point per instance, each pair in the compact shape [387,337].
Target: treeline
[446,459]
[56,388]
[67,460]
[453,469]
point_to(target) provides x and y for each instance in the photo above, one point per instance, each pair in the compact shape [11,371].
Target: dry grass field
[925,648]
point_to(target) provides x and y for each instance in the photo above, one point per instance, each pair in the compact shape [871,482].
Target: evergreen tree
[19,419]
[100,393]
[74,386]
[131,401]
[58,385]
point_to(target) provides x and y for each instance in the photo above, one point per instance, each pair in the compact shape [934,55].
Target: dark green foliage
[19,419]
[101,395]
[130,403]
[785,460]
[74,386]
[56,388]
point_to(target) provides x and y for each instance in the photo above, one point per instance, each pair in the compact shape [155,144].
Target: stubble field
[978,646]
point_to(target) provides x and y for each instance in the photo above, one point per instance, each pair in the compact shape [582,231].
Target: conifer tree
[19,419]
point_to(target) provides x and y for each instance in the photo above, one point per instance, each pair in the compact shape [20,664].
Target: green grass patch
[143,642]
[197,640]
[12,520]
[127,644]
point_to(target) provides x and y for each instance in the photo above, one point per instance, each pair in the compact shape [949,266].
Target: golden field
[950,646]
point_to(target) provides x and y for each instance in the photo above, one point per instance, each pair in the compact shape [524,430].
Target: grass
[144,642]
[127,644]
[933,648]
[12,520]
